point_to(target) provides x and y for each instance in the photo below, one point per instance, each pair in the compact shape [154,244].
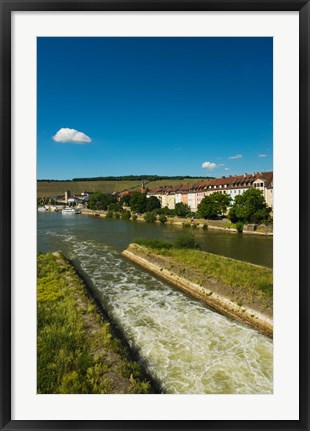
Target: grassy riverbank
[76,351]
[240,289]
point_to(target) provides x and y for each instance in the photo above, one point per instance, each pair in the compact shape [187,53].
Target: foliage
[239,226]
[150,217]
[167,211]
[134,217]
[115,206]
[124,200]
[186,240]
[214,205]
[250,207]
[109,214]
[181,209]
[152,203]
[101,201]
[247,279]
[153,243]
[162,218]
[138,202]
[125,215]
[76,351]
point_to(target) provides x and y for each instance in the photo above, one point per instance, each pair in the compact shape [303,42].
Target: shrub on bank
[125,215]
[239,226]
[162,218]
[150,217]
[153,243]
[186,240]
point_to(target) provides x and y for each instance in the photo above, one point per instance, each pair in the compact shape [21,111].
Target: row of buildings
[192,194]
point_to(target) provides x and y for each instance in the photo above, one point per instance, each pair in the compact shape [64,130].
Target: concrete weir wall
[215,300]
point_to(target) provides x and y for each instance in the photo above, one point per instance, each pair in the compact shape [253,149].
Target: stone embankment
[210,292]
[221,225]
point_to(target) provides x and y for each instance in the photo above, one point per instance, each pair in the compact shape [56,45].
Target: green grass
[76,351]
[231,272]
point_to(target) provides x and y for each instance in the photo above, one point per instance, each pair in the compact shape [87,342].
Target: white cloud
[209,165]
[237,156]
[71,135]
[227,169]
[262,155]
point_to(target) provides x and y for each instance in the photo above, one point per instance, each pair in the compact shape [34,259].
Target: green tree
[181,210]
[214,205]
[152,203]
[101,201]
[162,218]
[250,207]
[138,202]
[115,206]
[124,200]
[150,217]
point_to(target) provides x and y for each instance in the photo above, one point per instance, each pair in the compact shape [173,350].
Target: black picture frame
[7,7]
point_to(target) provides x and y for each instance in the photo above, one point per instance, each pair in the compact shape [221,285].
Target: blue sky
[165,106]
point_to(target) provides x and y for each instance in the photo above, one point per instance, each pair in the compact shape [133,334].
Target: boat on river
[70,210]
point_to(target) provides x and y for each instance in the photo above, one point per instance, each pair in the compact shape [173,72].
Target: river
[185,346]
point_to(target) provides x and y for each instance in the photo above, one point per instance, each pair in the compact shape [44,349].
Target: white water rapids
[186,347]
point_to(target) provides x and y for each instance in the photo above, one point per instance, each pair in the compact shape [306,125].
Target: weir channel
[184,345]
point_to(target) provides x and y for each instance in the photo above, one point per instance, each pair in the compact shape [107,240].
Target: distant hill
[129,178]
[48,188]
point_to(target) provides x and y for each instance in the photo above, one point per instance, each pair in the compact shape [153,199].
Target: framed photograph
[154,215]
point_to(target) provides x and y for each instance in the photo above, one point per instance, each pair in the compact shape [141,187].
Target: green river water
[185,346]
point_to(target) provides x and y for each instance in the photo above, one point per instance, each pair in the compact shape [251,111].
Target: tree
[124,200]
[181,210]
[138,202]
[100,201]
[115,206]
[152,203]
[150,217]
[250,207]
[214,205]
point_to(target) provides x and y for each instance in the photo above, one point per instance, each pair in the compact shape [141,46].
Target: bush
[205,226]
[186,240]
[186,224]
[125,215]
[134,217]
[182,210]
[162,218]
[239,226]
[109,214]
[117,215]
[150,217]
[153,243]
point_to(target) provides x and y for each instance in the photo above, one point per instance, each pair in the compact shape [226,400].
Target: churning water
[185,346]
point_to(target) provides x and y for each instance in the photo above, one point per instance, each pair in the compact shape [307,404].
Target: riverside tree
[250,207]
[138,202]
[214,205]
[100,201]
[181,210]
[152,203]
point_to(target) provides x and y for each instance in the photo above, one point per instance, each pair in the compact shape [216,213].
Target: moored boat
[68,210]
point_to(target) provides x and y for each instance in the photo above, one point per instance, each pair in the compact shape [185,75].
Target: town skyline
[196,107]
